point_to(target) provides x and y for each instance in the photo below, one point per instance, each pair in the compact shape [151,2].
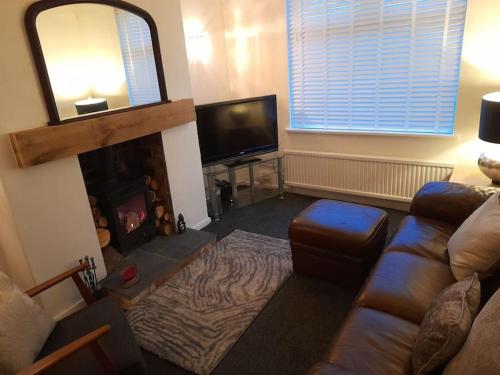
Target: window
[138,58]
[378,66]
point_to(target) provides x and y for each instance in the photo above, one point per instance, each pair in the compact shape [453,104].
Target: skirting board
[378,202]
[202,224]
[78,305]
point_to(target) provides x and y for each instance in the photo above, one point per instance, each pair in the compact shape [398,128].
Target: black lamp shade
[84,107]
[489,128]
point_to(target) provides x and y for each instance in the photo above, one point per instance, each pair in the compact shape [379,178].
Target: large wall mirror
[94,56]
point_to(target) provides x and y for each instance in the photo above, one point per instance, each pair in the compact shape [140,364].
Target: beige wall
[204,31]
[257,64]
[45,201]
[83,37]
[51,222]
[12,258]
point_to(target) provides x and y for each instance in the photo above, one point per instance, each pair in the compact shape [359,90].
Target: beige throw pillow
[481,352]
[475,246]
[446,325]
[24,328]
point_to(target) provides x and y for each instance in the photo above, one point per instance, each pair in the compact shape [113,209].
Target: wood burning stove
[128,207]
[124,207]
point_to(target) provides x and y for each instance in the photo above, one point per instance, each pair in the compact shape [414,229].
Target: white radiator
[379,177]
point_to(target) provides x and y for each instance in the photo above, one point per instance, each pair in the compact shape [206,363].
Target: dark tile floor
[295,328]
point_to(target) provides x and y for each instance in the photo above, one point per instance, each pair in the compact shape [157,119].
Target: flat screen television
[237,129]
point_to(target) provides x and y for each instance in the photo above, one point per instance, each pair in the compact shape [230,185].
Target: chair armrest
[448,201]
[73,273]
[89,339]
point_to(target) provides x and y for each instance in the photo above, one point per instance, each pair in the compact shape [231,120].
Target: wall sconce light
[198,43]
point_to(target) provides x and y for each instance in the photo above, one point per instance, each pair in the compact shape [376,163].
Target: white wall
[204,31]
[51,217]
[257,64]
[182,152]
[51,220]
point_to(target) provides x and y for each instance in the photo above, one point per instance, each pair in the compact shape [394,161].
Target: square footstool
[337,241]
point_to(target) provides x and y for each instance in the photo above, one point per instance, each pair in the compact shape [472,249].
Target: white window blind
[138,58]
[388,66]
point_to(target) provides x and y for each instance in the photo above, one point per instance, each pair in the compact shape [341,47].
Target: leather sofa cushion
[450,202]
[325,368]
[422,236]
[340,227]
[404,285]
[373,342]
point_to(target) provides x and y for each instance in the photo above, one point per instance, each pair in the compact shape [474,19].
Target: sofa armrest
[448,201]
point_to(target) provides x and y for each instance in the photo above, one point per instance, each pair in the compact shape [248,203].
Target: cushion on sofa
[446,325]
[474,247]
[422,236]
[373,342]
[24,327]
[405,285]
[480,353]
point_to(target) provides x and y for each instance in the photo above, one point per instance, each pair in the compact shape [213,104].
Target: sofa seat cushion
[119,344]
[325,368]
[404,285]
[422,236]
[373,342]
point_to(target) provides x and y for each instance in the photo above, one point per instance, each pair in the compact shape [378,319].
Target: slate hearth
[156,261]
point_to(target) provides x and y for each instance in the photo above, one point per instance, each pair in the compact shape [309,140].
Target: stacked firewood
[162,216]
[101,223]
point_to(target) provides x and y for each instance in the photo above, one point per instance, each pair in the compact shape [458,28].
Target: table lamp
[489,131]
[91,105]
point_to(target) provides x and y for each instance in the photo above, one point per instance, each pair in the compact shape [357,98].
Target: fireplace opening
[130,214]
[129,192]
[133,213]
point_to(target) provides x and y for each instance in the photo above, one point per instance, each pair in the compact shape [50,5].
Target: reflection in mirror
[98,57]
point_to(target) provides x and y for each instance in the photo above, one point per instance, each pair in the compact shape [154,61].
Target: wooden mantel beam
[43,144]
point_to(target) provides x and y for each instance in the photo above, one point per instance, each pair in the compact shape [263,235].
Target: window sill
[381,134]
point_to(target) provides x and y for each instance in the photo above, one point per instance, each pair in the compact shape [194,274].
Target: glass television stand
[242,183]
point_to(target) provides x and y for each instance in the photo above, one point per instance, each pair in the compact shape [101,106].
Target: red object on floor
[128,274]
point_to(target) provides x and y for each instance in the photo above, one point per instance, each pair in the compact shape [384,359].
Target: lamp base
[490,167]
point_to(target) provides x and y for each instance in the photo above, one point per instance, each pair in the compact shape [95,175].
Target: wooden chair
[65,348]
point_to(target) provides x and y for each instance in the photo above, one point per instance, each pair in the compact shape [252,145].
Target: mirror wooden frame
[36,48]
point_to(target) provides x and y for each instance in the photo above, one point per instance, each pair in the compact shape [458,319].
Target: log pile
[101,223]
[157,180]
[163,218]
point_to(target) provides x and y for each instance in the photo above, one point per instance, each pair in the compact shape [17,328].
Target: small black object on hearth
[181,224]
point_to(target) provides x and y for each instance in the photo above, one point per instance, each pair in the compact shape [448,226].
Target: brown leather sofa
[378,335]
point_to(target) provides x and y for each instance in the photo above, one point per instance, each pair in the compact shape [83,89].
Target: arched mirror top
[95,57]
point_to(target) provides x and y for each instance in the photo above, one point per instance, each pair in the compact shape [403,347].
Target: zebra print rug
[199,314]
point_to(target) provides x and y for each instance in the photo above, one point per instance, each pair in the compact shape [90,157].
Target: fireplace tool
[89,275]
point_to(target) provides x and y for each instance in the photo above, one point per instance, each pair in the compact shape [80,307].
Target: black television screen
[234,129]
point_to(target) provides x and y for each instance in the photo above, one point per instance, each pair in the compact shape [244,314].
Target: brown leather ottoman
[337,241]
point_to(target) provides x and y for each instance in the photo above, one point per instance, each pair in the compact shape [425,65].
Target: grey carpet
[295,328]
[198,315]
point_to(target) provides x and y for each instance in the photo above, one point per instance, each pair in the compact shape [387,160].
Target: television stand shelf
[265,179]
